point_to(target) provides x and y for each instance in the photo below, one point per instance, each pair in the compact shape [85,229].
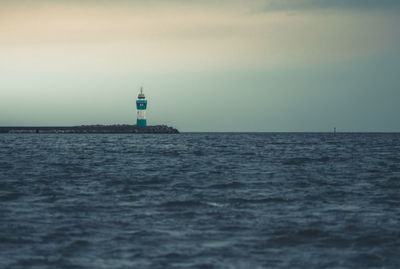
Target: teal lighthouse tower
[141,105]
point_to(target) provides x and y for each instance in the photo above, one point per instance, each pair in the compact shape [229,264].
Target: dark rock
[106,129]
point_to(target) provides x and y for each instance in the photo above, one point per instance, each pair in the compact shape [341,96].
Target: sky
[219,66]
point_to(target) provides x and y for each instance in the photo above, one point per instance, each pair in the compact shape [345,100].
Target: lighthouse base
[141,123]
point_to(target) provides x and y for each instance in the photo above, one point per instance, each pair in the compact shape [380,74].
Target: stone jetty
[94,129]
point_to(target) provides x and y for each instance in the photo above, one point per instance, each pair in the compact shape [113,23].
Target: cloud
[244,5]
[184,35]
[274,5]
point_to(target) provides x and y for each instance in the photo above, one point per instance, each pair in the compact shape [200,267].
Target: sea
[200,200]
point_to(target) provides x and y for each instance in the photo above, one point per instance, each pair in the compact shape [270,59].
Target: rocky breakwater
[84,129]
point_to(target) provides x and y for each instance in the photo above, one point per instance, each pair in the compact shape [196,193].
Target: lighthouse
[141,105]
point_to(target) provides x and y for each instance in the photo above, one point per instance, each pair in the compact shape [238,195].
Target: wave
[303,160]
[179,203]
[231,185]
[260,201]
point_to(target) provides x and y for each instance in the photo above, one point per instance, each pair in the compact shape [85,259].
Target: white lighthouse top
[141,94]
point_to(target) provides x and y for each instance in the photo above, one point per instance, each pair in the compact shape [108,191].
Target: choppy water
[201,200]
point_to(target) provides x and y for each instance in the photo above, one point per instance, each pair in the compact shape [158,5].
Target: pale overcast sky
[237,65]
